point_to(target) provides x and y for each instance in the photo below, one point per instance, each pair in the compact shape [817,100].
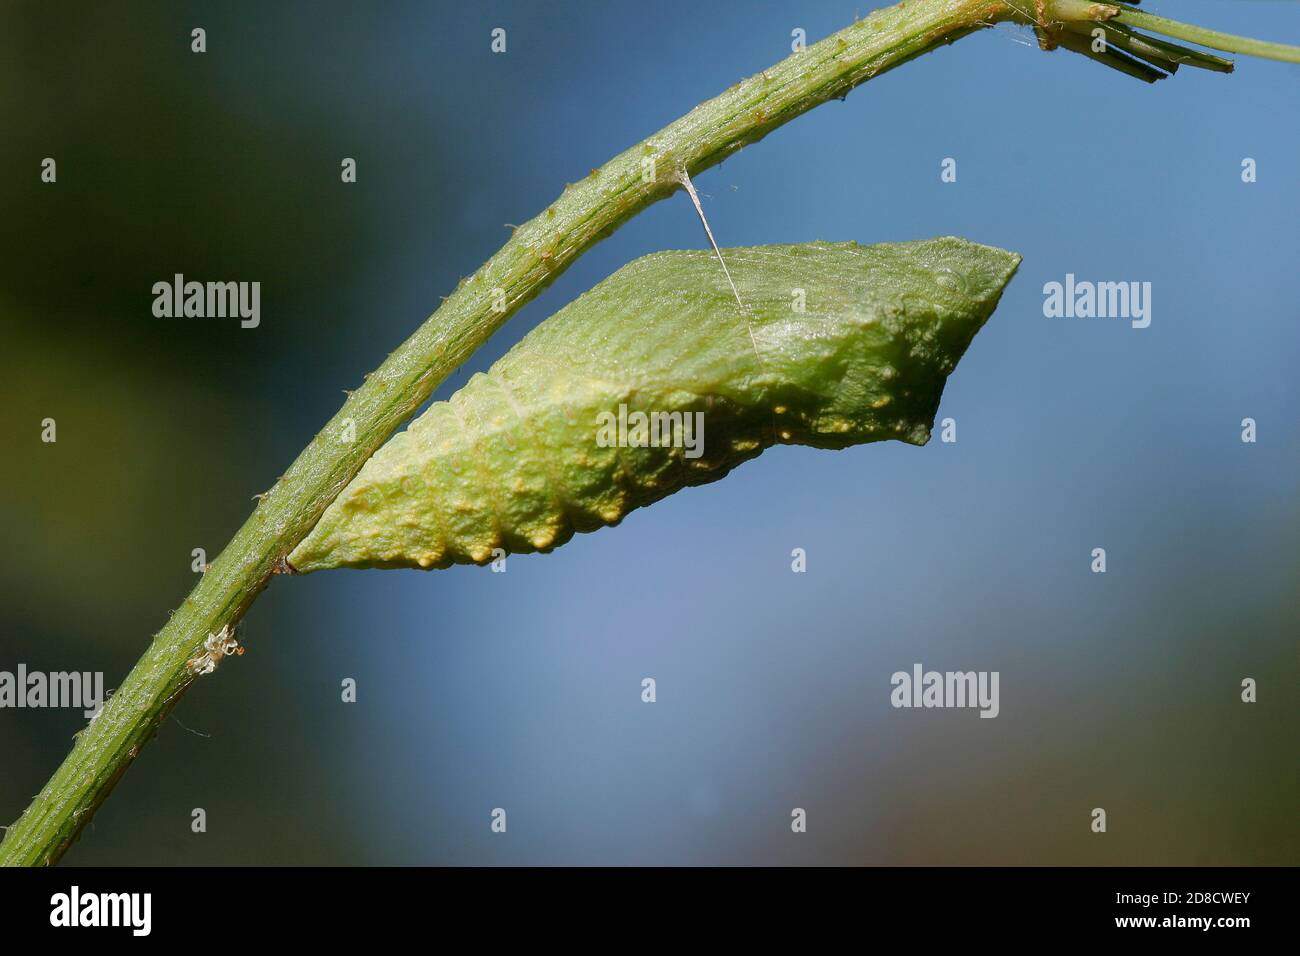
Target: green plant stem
[539,251]
[1211,38]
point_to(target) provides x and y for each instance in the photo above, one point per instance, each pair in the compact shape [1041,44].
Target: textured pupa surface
[839,344]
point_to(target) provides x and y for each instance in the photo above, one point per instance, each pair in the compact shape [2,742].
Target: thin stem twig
[1211,38]
[539,251]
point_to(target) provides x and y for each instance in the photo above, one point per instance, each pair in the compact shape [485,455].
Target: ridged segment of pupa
[512,460]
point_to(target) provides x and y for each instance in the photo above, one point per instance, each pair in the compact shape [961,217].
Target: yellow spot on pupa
[479,555]
[881,402]
[425,561]
[543,540]
[610,515]
[780,409]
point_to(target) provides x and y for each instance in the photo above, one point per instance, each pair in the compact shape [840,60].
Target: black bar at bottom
[335,906]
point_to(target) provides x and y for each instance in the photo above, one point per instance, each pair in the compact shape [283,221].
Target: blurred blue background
[522,690]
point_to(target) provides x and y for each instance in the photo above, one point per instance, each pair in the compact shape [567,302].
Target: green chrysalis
[655,380]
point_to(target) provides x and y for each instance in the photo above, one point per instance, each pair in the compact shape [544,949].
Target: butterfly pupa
[838,344]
